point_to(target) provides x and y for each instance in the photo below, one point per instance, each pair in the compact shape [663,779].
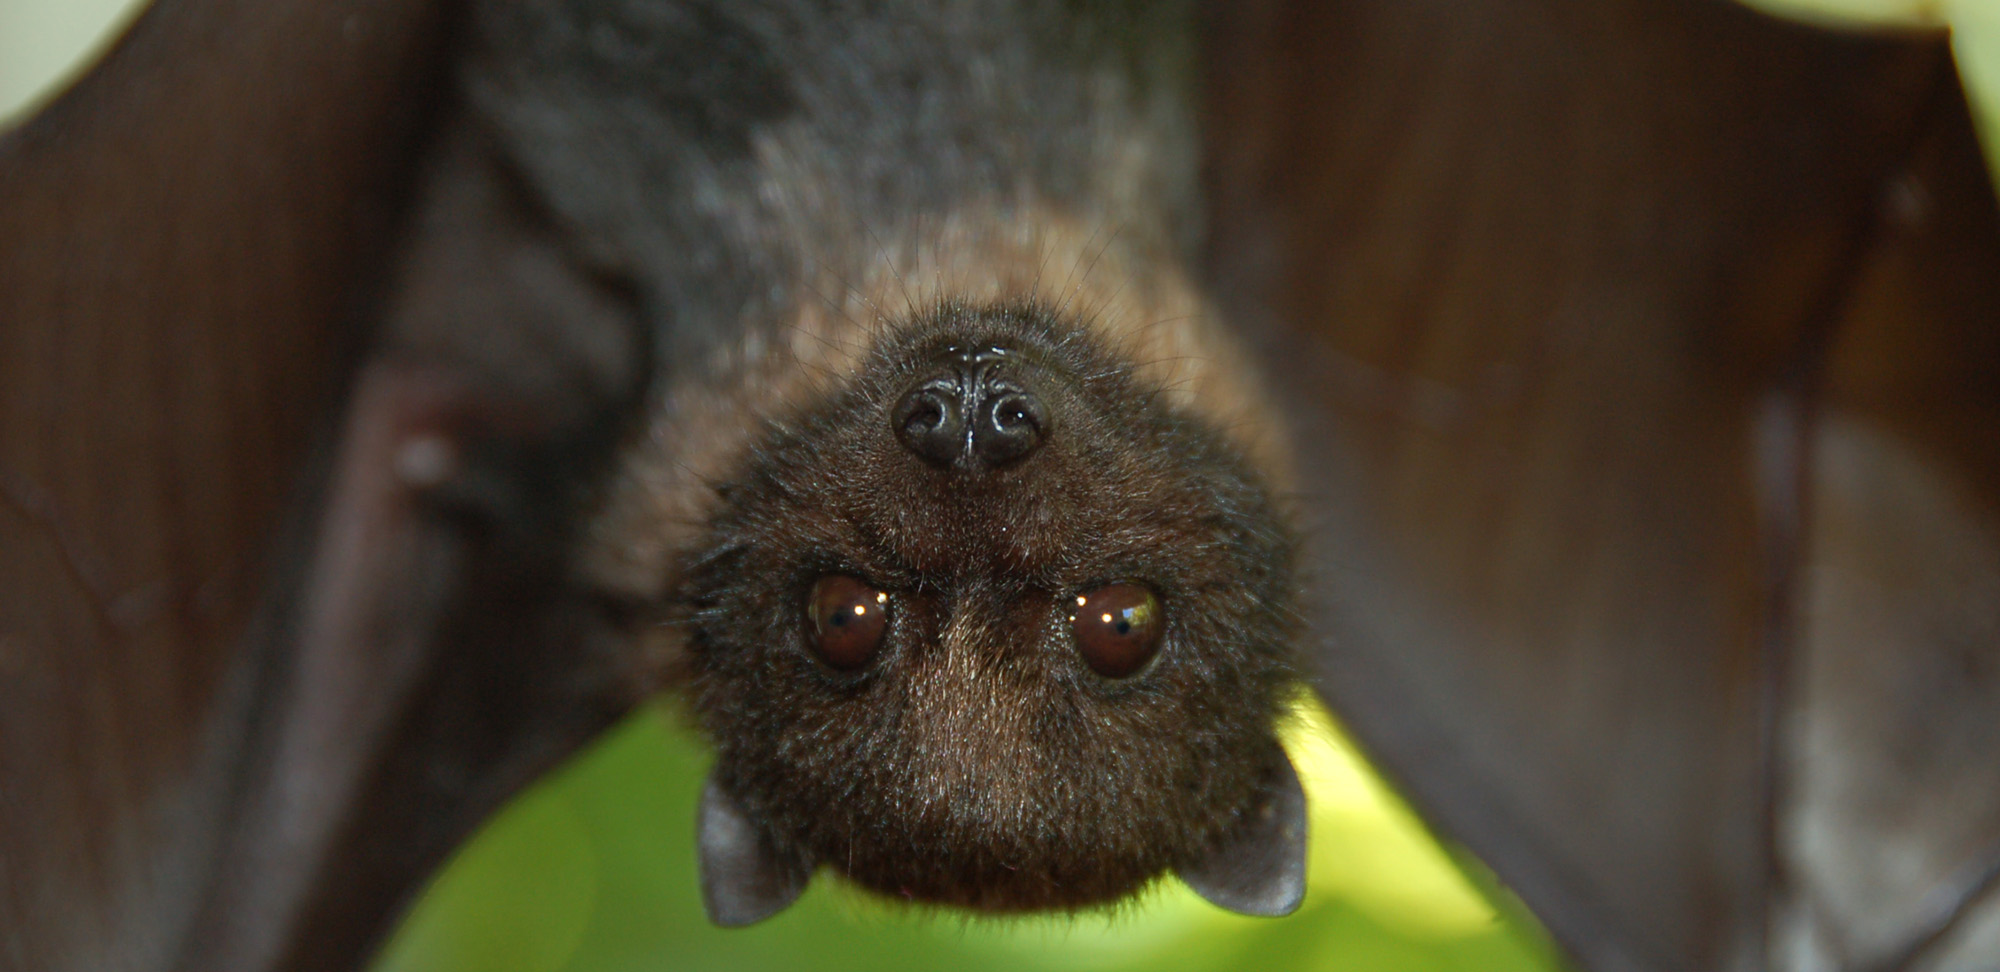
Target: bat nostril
[1010,425]
[930,421]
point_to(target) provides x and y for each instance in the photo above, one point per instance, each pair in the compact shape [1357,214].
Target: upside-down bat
[840,366]
[1547,290]
[953,509]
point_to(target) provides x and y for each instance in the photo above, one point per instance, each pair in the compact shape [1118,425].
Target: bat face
[992,625]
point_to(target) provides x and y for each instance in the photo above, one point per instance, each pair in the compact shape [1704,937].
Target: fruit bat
[334,346]
[953,511]
[842,367]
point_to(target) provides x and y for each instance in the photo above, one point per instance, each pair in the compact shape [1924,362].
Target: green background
[594,870]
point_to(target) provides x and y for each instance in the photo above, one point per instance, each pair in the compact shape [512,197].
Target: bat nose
[975,411]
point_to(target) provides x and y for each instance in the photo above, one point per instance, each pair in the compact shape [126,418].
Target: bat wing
[1550,289]
[283,610]
[182,232]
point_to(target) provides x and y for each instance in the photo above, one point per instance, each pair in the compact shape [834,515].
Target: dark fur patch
[978,761]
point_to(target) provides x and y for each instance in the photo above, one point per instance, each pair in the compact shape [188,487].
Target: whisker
[890,264]
[1087,270]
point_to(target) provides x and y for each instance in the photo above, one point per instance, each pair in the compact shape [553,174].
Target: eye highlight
[1117,628]
[845,619]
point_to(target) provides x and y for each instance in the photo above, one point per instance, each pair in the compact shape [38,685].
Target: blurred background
[593,869]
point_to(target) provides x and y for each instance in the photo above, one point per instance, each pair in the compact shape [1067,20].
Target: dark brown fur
[979,761]
[810,201]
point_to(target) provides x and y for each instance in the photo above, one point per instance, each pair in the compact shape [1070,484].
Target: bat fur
[808,207]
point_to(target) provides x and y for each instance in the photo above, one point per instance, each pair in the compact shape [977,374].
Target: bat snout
[976,411]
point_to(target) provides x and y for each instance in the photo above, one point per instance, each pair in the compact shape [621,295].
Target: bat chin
[1255,865]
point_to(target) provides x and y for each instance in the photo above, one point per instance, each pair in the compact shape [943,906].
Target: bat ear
[1259,868]
[744,879]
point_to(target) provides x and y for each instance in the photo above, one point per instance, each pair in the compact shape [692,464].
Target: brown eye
[847,619]
[1117,628]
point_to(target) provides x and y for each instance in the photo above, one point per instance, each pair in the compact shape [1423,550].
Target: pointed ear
[1259,868]
[744,880]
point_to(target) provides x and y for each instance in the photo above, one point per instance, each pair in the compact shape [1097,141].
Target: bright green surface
[594,870]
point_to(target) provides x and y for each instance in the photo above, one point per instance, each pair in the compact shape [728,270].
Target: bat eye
[847,618]
[1117,628]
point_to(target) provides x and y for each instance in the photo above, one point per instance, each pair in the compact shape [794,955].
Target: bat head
[991,625]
